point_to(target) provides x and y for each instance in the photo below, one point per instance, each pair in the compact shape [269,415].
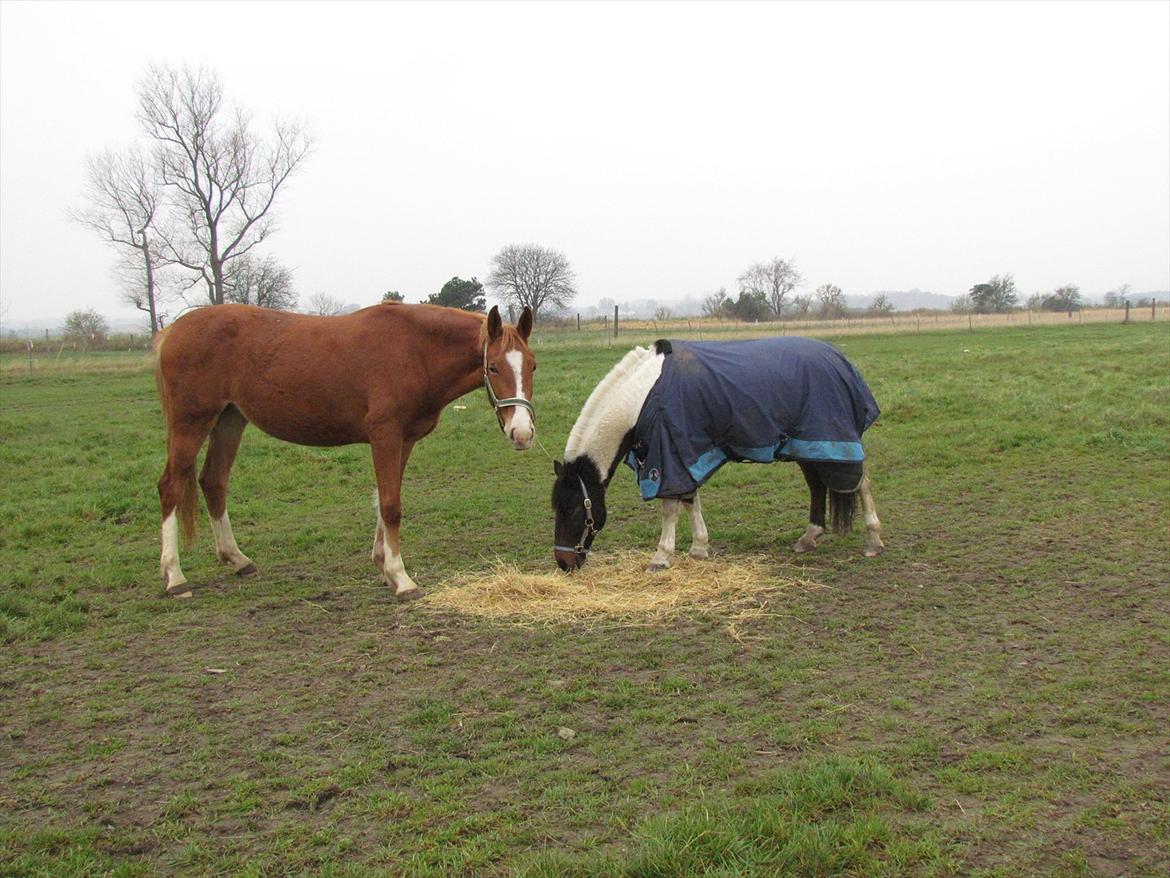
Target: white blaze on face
[522,429]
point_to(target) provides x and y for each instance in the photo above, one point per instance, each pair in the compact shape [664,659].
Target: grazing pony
[677,412]
[381,375]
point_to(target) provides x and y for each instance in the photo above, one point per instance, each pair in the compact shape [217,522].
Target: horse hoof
[176,590]
[801,546]
[248,569]
[412,595]
[699,556]
[656,568]
[873,551]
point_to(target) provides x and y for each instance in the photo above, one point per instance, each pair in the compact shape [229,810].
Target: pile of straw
[615,589]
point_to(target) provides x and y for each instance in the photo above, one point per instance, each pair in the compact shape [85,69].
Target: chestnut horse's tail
[188,500]
[842,507]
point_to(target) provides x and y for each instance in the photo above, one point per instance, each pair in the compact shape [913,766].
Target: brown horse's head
[508,368]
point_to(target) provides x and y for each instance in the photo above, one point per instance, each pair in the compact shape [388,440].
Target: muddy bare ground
[222,734]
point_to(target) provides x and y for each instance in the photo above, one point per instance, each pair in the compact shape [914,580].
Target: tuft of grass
[825,818]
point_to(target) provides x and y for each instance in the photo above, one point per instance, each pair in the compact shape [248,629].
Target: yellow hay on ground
[615,588]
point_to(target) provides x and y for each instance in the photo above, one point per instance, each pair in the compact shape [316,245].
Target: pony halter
[498,403]
[589,530]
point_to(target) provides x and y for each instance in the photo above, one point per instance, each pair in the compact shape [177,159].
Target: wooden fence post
[615,322]
[1126,311]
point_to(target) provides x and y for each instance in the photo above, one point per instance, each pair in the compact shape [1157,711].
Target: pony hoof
[248,569]
[412,595]
[656,568]
[699,556]
[873,551]
[178,589]
[802,546]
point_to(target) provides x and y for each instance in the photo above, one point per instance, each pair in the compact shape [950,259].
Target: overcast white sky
[662,146]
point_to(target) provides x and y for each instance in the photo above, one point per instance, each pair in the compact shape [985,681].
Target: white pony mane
[611,410]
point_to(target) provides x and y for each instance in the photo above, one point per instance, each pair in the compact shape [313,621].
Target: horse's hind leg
[816,508]
[699,541]
[217,467]
[179,498]
[873,527]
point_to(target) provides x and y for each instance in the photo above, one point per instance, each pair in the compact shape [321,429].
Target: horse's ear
[558,468]
[524,324]
[495,325]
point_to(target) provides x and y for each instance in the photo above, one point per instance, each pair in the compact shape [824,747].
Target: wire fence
[132,352]
[600,331]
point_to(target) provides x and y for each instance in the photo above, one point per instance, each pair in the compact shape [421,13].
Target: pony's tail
[842,506]
[188,502]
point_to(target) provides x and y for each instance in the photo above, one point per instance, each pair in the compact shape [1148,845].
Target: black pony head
[578,502]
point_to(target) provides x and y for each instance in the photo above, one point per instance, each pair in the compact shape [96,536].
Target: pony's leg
[217,467]
[816,509]
[661,559]
[698,528]
[388,467]
[378,553]
[178,497]
[873,527]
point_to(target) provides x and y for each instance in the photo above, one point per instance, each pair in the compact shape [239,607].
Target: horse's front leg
[378,553]
[389,461]
[698,528]
[661,559]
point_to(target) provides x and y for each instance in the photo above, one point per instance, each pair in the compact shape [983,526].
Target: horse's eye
[534,367]
[493,370]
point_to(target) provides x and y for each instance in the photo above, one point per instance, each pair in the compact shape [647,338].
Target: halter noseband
[589,530]
[498,403]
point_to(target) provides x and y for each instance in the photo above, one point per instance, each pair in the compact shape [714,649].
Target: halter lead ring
[589,530]
[498,403]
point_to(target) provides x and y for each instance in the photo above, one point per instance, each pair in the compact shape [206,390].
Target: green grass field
[990,697]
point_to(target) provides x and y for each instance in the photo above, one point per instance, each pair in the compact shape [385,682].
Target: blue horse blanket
[761,400]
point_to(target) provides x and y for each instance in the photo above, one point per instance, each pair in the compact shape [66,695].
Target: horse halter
[589,530]
[498,403]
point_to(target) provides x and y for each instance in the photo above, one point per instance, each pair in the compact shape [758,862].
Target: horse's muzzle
[522,437]
[568,561]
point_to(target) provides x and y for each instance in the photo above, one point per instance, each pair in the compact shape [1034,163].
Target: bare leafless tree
[1116,297]
[325,305]
[222,178]
[124,208]
[832,301]
[264,282]
[539,277]
[717,304]
[87,328]
[772,281]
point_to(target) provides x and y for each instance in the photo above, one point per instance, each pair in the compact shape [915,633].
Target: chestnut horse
[381,375]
